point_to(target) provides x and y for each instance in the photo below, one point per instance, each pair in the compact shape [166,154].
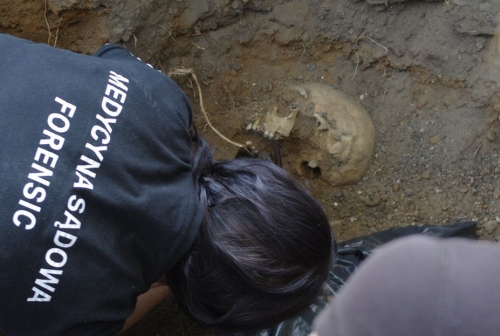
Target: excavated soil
[427,72]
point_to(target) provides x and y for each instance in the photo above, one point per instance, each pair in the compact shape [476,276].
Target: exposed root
[368,37]
[357,56]
[49,30]
[357,64]
[197,46]
[477,151]
[57,31]
[185,72]
[47,22]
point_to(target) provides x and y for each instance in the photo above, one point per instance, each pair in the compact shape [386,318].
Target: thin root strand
[184,72]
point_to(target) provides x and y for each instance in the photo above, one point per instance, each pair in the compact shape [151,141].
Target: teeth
[256,124]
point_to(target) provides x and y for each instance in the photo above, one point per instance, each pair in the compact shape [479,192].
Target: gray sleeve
[419,286]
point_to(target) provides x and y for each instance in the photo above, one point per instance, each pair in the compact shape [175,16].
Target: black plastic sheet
[349,255]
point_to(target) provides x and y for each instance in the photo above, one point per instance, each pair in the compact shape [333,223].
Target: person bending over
[102,197]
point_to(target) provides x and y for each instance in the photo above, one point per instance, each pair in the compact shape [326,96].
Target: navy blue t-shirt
[96,192]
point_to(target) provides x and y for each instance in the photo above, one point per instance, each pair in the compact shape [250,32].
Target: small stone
[346,195]
[395,187]
[434,139]
[311,67]
[490,226]
[490,135]
[426,174]
[371,201]
[496,193]
[422,194]
[384,197]
[336,223]
[464,190]
[233,73]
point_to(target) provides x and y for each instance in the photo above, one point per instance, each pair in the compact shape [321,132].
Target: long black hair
[264,247]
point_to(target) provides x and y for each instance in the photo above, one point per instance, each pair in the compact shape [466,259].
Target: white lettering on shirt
[45,160]
[86,171]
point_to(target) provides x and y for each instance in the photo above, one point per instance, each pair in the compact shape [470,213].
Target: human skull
[337,135]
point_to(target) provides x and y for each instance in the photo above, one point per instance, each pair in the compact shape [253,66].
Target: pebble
[311,67]
[464,190]
[395,187]
[371,201]
[336,223]
[490,135]
[346,195]
[496,193]
[434,139]
[426,174]
[234,73]
[490,226]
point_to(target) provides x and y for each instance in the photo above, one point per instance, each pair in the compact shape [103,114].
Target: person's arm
[147,301]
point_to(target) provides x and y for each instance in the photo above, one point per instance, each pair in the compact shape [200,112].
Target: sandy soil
[427,72]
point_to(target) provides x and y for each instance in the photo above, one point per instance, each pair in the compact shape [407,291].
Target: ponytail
[264,247]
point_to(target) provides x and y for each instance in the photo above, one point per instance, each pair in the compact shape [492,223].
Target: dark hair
[263,251]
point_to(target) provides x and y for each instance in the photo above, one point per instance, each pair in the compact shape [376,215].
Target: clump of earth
[426,72]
